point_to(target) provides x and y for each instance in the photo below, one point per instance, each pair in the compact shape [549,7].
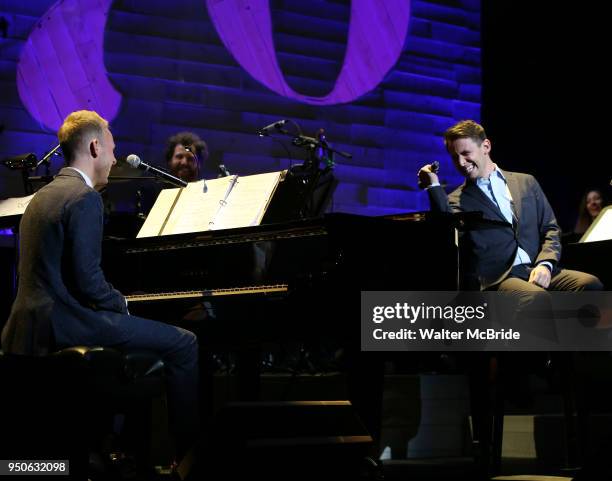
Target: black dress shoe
[124,467]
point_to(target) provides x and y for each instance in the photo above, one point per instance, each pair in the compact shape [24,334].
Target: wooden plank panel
[168,63]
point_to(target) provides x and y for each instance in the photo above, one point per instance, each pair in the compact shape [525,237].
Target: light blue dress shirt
[496,189]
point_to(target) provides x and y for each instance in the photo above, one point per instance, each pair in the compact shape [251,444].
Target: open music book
[14,205]
[228,202]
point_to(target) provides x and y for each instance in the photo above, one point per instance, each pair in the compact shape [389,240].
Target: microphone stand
[131,177]
[46,159]
[318,150]
[309,174]
[192,150]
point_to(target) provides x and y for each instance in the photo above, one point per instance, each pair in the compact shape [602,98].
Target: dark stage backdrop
[383,78]
[546,85]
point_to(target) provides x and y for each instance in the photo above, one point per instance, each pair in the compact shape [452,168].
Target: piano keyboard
[162,296]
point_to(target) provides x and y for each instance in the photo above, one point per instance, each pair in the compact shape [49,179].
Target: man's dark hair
[188,140]
[584,217]
[466,129]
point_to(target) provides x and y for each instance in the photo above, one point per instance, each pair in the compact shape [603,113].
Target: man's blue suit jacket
[62,294]
[491,252]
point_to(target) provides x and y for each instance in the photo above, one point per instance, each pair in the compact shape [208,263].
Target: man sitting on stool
[63,298]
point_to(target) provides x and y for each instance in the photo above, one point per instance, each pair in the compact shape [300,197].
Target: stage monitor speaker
[291,440]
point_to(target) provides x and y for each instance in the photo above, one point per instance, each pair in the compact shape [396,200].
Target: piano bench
[119,378]
[70,403]
[131,383]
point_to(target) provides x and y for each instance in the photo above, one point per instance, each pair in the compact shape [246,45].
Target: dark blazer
[62,294]
[491,252]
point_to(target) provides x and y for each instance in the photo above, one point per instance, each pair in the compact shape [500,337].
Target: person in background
[185,155]
[592,203]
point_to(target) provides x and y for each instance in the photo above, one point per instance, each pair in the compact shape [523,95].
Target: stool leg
[498,429]
[161,447]
[248,370]
[482,371]
[568,390]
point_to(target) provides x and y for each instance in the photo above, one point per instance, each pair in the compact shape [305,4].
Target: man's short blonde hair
[77,129]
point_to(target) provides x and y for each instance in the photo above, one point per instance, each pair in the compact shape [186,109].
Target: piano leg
[248,370]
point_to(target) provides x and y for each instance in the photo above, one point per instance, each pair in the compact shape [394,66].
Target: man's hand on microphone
[540,276]
[427,176]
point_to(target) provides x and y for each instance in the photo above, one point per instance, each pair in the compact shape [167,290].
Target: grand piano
[296,280]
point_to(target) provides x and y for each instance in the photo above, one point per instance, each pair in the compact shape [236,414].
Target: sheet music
[159,213]
[196,209]
[601,228]
[14,205]
[229,202]
[247,201]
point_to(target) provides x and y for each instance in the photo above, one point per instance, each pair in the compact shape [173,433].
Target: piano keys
[356,251]
[208,293]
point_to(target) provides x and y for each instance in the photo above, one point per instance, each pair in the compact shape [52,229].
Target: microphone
[223,172]
[266,130]
[135,162]
[23,161]
[435,167]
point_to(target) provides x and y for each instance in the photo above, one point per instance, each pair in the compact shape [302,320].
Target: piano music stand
[304,193]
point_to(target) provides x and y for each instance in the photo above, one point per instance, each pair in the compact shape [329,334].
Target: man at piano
[185,155]
[63,297]
[521,258]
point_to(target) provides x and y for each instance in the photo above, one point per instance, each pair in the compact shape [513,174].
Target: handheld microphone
[435,167]
[266,130]
[134,161]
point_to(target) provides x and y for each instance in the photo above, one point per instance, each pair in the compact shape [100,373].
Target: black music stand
[308,188]
[304,193]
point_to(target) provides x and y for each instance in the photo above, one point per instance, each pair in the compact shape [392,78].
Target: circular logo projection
[377,32]
[61,67]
